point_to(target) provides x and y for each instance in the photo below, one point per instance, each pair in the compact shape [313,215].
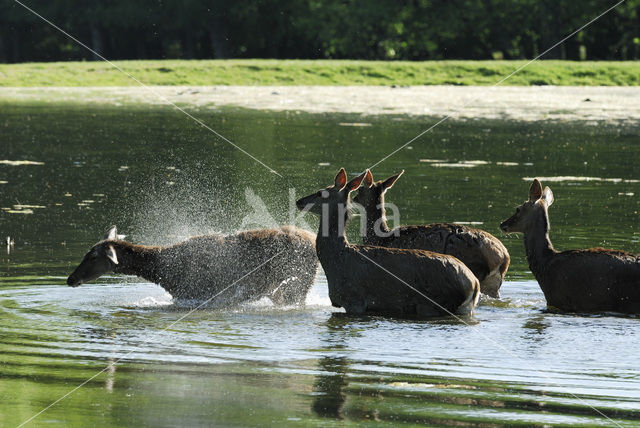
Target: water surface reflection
[160,180]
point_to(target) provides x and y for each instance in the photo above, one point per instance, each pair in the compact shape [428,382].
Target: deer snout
[72,281]
[506,225]
[303,204]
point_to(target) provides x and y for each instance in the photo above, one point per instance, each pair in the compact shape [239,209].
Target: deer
[482,252]
[587,280]
[278,263]
[366,279]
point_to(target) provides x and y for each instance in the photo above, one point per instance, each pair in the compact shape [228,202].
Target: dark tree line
[357,29]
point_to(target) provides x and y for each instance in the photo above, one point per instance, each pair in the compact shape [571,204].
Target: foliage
[315,29]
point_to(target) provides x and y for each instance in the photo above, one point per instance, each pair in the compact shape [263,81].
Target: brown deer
[377,280]
[482,252]
[591,280]
[203,266]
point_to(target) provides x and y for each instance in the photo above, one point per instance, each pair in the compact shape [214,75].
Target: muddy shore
[561,103]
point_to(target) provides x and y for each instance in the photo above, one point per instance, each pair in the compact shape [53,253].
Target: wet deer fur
[203,266]
[589,280]
[482,252]
[358,283]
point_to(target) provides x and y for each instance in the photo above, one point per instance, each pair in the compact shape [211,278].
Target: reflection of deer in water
[203,266]
[575,280]
[329,387]
[482,252]
[368,279]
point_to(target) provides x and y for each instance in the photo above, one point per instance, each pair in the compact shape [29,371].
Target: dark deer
[368,279]
[592,280]
[482,252]
[201,267]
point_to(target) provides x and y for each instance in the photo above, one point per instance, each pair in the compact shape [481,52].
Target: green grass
[321,72]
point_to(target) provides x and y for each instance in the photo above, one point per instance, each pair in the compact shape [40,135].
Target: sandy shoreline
[530,103]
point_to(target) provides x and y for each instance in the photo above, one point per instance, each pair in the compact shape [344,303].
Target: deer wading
[592,280]
[482,252]
[202,266]
[378,280]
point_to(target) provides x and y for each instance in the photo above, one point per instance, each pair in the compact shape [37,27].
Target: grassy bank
[304,72]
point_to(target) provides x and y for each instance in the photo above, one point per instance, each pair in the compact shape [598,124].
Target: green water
[161,178]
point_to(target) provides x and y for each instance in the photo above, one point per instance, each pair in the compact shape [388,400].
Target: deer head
[525,213]
[331,196]
[371,194]
[100,259]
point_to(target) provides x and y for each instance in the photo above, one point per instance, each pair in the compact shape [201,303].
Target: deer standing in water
[482,252]
[203,266]
[368,279]
[591,280]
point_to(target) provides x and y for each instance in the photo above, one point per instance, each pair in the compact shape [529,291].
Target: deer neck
[331,238]
[537,243]
[139,260]
[376,222]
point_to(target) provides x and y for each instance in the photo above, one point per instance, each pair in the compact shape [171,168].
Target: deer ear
[112,233]
[548,196]
[368,179]
[111,254]
[535,191]
[341,179]
[355,182]
[389,182]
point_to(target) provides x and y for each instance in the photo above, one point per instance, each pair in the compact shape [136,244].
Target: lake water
[161,178]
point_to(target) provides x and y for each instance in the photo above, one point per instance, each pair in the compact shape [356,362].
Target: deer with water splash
[378,280]
[482,252]
[278,263]
[591,280]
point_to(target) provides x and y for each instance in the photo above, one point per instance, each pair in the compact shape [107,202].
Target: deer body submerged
[588,280]
[203,266]
[480,251]
[368,279]
[378,280]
